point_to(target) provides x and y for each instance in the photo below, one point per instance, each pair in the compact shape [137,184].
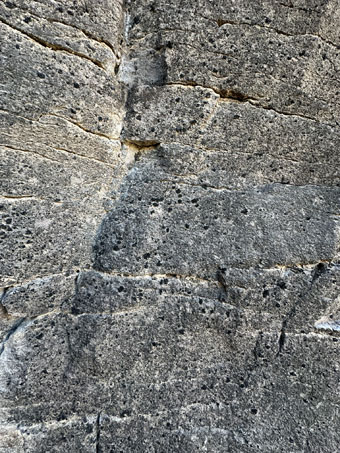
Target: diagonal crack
[99,134]
[74,26]
[31,152]
[62,150]
[221,22]
[55,47]
[84,157]
[230,95]
[12,332]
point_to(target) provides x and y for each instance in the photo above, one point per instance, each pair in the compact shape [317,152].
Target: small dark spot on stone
[76,85]
[27,19]
[89,429]
[41,75]
[281,284]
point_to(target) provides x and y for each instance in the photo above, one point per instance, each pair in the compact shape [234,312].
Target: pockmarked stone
[169,232]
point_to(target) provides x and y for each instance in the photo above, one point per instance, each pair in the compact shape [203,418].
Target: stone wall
[170,226]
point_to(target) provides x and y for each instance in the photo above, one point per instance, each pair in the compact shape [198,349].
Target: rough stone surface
[170,242]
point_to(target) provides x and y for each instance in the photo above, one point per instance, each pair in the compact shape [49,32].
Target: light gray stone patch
[76,434]
[50,137]
[293,75]
[290,72]
[99,21]
[145,66]
[28,175]
[228,169]
[60,37]
[298,17]
[146,122]
[170,226]
[57,84]
[269,147]
[44,238]
[330,321]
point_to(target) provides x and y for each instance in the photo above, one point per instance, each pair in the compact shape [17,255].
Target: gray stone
[169,196]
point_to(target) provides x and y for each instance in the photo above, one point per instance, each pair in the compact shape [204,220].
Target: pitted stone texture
[259,146]
[30,298]
[33,239]
[172,236]
[59,84]
[76,434]
[61,113]
[59,21]
[201,368]
[289,17]
[185,228]
[281,57]
[49,137]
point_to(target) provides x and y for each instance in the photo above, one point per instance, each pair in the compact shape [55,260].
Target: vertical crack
[282,337]
[98,449]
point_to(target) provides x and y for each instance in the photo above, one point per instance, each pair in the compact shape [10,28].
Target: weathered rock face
[170,226]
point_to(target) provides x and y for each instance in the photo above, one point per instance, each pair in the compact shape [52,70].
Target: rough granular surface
[170,241]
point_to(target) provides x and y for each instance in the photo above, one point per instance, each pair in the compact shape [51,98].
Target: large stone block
[169,226]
